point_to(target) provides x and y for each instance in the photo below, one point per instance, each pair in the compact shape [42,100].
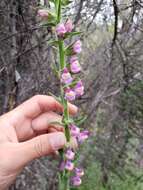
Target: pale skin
[26,133]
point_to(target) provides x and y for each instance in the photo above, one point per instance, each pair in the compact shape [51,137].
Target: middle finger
[46,121]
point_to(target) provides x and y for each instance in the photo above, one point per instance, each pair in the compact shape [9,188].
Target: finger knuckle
[39,147]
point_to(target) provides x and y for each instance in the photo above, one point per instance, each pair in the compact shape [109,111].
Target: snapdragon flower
[83,136]
[69,154]
[77,46]
[75,67]
[66,77]
[76,181]
[79,89]
[61,30]
[79,172]
[68,26]
[70,94]
[74,130]
[69,165]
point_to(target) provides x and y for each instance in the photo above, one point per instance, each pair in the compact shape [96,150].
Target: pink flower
[76,181]
[70,95]
[69,26]
[79,172]
[75,67]
[43,13]
[79,89]
[66,77]
[69,154]
[77,47]
[72,59]
[60,29]
[83,136]
[69,165]
[74,130]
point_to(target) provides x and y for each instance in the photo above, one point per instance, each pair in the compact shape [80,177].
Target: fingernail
[75,108]
[57,140]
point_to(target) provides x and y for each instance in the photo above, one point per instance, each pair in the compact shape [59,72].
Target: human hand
[26,134]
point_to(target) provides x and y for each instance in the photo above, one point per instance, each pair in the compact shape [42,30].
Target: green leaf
[65,121]
[80,120]
[71,34]
[56,123]
[54,42]
[68,49]
[57,98]
[70,120]
[66,2]
[55,69]
[47,24]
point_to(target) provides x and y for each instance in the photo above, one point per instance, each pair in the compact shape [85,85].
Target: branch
[116,12]
[96,12]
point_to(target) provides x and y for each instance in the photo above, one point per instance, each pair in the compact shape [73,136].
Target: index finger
[42,103]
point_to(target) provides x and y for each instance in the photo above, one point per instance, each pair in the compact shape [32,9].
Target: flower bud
[43,13]
[69,26]
[83,136]
[77,47]
[74,130]
[76,181]
[69,154]
[79,172]
[61,30]
[69,165]
[66,77]
[79,89]
[70,95]
[75,67]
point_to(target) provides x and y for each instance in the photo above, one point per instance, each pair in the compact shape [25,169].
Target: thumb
[40,146]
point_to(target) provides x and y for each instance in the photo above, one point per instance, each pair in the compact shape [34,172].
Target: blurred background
[112,62]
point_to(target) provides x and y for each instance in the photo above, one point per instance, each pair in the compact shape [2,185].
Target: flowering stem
[65,115]
[71,88]
[64,101]
[61,66]
[63,177]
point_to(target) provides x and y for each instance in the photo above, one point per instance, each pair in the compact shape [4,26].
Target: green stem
[64,176]
[66,113]
[59,11]
[65,104]
[62,54]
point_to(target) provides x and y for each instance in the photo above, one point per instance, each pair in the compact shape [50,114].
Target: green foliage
[132,101]
[122,171]
[93,180]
